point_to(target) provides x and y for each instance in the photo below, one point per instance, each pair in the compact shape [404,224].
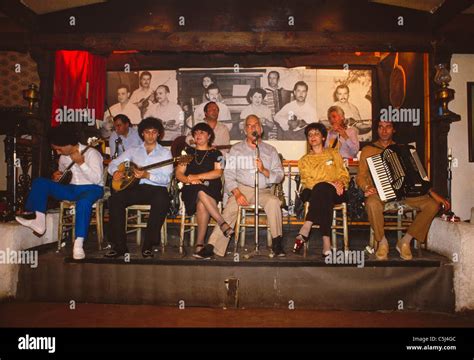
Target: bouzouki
[66,177]
[128,167]
[145,102]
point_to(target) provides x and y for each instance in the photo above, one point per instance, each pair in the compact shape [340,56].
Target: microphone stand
[257,154]
[256,252]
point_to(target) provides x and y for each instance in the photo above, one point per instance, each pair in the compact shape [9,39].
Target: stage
[293,282]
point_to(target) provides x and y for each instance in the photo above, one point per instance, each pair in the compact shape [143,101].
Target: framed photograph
[470,119]
[268,93]
[285,99]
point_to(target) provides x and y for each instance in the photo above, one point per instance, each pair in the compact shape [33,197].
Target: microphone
[255,135]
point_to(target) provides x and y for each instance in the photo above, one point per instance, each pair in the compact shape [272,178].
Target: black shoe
[205,253]
[277,247]
[147,253]
[326,253]
[112,254]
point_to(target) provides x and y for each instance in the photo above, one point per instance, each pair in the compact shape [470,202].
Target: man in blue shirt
[124,137]
[151,190]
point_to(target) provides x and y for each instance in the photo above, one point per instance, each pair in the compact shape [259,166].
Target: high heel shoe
[299,243]
[227,230]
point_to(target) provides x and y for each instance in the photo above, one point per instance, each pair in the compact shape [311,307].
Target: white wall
[463,174]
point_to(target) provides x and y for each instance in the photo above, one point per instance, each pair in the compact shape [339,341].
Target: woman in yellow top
[324,178]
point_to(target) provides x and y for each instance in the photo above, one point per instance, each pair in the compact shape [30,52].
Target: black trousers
[144,194]
[322,199]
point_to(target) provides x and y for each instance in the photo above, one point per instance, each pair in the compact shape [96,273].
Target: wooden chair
[339,226]
[135,221]
[241,224]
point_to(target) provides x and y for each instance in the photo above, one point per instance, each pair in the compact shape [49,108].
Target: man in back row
[221,132]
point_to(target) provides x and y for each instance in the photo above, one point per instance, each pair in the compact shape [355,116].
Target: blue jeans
[84,196]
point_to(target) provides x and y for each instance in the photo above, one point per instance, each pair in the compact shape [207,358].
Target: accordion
[397,172]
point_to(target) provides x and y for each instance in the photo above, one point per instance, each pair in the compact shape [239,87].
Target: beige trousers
[270,203]
[419,227]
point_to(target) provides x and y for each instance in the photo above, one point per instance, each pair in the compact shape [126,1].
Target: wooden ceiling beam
[171,61]
[448,11]
[226,42]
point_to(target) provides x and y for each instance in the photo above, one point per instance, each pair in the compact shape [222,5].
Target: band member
[144,92]
[221,132]
[324,178]
[151,190]
[341,98]
[276,98]
[124,106]
[340,137]
[125,136]
[85,188]
[429,204]
[239,175]
[203,186]
[213,94]
[294,116]
[169,112]
[255,98]
[208,80]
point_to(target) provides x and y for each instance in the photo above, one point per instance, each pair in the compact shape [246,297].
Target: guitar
[128,167]
[66,177]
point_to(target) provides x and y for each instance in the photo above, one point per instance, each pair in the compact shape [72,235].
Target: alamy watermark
[28,257]
[349,257]
[401,115]
[28,342]
[241,162]
[66,115]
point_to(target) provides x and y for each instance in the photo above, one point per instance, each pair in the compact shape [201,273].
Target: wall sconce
[32,96]
[444,94]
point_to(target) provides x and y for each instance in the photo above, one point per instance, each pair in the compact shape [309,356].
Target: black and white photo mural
[285,99]
[351,91]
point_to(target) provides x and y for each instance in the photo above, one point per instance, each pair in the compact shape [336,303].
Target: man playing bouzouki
[151,189]
[85,187]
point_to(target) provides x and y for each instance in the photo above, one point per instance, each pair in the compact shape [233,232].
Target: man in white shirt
[168,112]
[341,98]
[85,188]
[224,112]
[124,106]
[144,91]
[294,116]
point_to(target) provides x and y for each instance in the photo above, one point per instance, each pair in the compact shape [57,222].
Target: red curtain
[73,70]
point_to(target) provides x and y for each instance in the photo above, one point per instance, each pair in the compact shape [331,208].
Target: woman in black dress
[202,188]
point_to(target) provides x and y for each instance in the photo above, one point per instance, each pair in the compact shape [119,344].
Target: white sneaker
[78,253]
[32,224]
